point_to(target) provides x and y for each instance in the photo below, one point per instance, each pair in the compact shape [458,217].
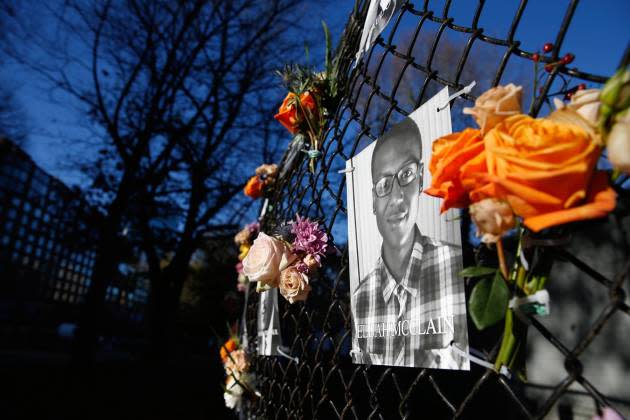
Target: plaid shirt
[412,323]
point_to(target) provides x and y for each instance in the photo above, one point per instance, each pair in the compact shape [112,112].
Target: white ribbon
[481,362]
[465,90]
[294,359]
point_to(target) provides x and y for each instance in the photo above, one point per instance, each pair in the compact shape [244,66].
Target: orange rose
[227,348]
[449,154]
[254,187]
[544,169]
[288,114]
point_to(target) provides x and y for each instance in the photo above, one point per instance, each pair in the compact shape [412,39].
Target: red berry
[548,47]
[568,95]
[568,58]
[581,86]
[535,57]
[549,68]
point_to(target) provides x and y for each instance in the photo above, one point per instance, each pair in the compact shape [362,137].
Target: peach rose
[267,170]
[243,237]
[236,363]
[495,105]
[266,258]
[290,116]
[544,169]
[294,285]
[493,219]
[449,154]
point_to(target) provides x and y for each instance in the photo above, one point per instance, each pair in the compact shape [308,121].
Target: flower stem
[502,264]
[507,343]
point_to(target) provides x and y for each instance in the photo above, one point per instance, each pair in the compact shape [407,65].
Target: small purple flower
[309,238]
[302,267]
[253,227]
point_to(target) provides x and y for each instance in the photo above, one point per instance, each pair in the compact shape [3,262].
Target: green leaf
[306,51]
[488,301]
[477,271]
[328,49]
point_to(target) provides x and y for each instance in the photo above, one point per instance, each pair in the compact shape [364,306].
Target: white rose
[266,258]
[233,394]
[618,144]
[585,102]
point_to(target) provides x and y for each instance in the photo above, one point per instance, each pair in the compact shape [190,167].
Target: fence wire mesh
[423,49]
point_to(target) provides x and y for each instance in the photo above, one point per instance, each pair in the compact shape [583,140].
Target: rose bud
[493,218]
[495,105]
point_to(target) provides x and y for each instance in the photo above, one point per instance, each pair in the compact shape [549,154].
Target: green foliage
[488,301]
[477,271]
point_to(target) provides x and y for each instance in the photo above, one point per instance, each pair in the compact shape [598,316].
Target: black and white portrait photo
[408,302]
[268,323]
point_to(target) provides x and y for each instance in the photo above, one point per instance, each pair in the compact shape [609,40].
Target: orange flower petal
[600,202]
[254,187]
[449,153]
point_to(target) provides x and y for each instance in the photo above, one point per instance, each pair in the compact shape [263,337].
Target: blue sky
[598,35]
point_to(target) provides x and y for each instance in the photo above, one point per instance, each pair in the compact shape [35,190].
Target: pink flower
[239,267]
[253,227]
[241,284]
[308,265]
[309,238]
[608,414]
[266,258]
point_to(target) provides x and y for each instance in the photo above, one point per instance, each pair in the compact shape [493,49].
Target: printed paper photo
[407,300]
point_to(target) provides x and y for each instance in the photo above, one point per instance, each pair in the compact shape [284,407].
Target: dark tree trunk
[93,310]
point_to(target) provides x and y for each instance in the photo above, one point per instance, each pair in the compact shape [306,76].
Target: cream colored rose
[618,144]
[268,172]
[233,393]
[294,285]
[311,263]
[236,363]
[267,169]
[265,259]
[585,102]
[243,237]
[495,105]
[493,218]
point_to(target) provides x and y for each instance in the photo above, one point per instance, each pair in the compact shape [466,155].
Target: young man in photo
[411,306]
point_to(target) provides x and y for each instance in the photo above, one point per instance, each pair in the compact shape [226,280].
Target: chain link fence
[424,49]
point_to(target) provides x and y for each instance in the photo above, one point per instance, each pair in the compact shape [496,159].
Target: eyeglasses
[404,176]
